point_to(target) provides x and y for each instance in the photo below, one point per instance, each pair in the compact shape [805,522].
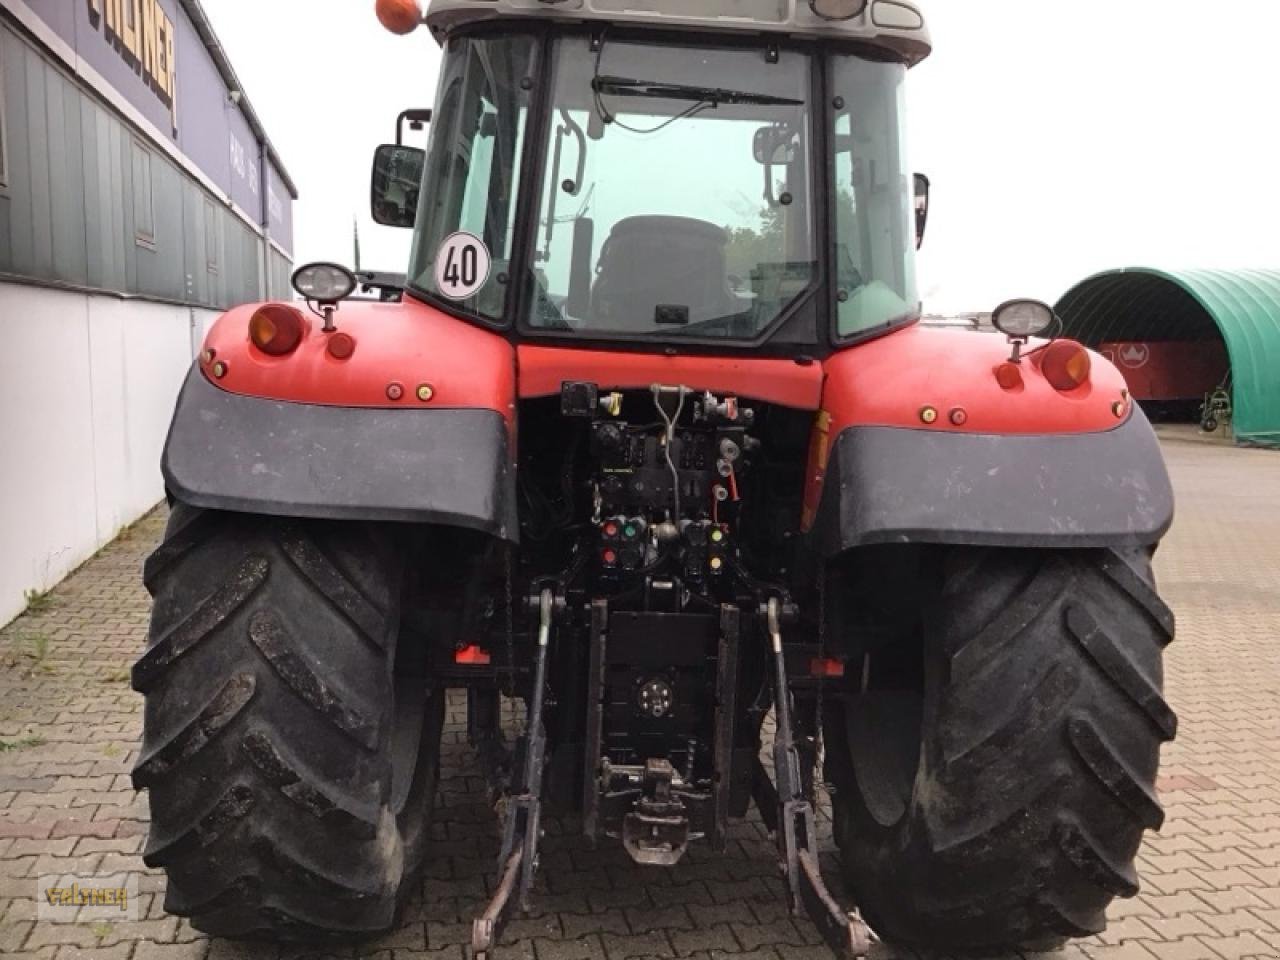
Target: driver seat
[655,260]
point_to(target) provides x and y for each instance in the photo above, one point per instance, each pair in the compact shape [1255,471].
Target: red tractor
[650,438]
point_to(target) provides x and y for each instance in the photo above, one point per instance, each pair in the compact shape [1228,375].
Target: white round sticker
[462,266]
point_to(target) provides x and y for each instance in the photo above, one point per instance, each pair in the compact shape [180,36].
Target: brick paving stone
[1132,950]
[583,948]
[1211,879]
[773,933]
[579,924]
[637,945]
[642,920]
[147,950]
[687,942]
[121,951]
[1239,946]
[448,953]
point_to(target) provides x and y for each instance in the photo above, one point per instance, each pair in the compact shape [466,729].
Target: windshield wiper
[629,87]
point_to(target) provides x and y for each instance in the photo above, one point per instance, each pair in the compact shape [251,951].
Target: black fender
[226,451]
[899,485]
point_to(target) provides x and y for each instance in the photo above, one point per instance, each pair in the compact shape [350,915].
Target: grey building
[139,196]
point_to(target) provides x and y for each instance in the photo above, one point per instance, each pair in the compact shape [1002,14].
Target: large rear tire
[1000,799]
[289,749]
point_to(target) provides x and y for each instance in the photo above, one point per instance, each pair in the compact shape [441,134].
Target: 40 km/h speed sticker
[462,266]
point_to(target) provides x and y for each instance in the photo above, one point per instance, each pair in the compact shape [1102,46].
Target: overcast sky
[1061,138]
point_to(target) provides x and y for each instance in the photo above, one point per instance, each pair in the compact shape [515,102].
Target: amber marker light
[1066,365]
[928,415]
[399,16]
[219,369]
[426,392]
[276,329]
[207,356]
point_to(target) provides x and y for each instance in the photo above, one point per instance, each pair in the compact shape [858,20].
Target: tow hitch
[656,826]
[656,832]
[845,933]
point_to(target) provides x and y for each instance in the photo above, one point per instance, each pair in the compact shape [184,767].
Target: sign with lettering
[151,56]
[143,35]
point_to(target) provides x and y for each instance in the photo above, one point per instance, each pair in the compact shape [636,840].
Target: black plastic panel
[893,485]
[231,452]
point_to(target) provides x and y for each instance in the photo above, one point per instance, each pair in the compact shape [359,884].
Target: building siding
[121,239]
[91,202]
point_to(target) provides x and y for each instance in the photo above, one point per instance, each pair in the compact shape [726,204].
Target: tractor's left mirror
[397,178]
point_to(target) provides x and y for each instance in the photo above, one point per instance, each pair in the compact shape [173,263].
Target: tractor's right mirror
[922,207]
[397,178]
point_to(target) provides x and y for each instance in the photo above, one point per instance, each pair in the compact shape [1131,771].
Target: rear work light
[838,9]
[276,329]
[1065,364]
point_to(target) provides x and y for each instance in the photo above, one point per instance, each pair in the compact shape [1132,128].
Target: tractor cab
[732,174]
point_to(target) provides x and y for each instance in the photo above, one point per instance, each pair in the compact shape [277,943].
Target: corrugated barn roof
[1240,306]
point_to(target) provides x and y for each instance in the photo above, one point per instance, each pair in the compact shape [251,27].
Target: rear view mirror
[922,207]
[397,179]
[774,145]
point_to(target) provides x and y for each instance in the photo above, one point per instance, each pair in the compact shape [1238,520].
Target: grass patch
[22,743]
[37,646]
[31,651]
[38,600]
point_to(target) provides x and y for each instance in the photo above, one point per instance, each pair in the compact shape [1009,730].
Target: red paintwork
[784,382]
[889,381]
[886,382]
[409,343]
[1176,370]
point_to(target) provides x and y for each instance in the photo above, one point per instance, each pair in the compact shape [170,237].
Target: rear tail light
[1009,376]
[341,345]
[472,656]
[276,329]
[827,667]
[1065,364]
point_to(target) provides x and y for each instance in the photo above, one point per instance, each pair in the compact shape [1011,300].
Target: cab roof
[896,26]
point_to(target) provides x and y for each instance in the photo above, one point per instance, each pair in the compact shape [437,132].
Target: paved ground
[1211,882]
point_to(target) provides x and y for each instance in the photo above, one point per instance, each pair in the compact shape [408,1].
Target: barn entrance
[1195,345]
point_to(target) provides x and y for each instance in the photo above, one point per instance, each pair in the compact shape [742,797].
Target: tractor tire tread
[293,722]
[1041,743]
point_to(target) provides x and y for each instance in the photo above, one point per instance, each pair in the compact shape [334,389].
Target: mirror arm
[769,198]
[416,119]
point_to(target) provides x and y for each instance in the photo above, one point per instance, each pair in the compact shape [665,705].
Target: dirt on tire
[1037,734]
[290,755]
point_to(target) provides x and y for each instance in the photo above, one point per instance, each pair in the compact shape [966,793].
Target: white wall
[87,387]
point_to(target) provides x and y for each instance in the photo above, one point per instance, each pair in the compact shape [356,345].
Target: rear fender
[309,435]
[916,442]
